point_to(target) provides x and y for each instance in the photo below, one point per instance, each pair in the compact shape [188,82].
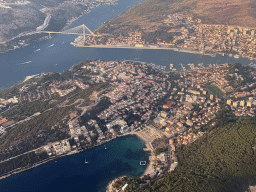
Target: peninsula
[51,115]
[172,25]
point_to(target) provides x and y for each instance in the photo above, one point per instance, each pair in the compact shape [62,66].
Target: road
[19,155]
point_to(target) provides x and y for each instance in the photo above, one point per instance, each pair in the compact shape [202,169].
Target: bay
[118,157]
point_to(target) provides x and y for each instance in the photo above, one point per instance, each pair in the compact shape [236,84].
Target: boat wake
[37,50]
[24,63]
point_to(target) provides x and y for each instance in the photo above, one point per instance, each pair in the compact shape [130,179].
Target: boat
[85,161]
[51,45]
[143,162]
[223,54]
[236,56]
[105,147]
[171,66]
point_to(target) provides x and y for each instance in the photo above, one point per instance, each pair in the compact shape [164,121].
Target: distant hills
[229,12]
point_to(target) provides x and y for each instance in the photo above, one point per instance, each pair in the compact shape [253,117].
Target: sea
[118,157]
[122,155]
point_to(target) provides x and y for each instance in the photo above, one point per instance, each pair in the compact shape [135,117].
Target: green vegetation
[48,127]
[25,110]
[84,94]
[161,34]
[223,160]
[23,161]
[215,90]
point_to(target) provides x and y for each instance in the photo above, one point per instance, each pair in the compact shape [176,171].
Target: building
[163,114]
[249,104]
[125,186]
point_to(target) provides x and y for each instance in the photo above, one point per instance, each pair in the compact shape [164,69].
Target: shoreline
[19,170]
[155,48]
[149,169]
[213,54]
[68,23]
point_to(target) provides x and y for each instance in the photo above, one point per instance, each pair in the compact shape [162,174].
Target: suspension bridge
[81,30]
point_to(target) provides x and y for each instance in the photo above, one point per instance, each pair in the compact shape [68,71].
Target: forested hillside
[223,160]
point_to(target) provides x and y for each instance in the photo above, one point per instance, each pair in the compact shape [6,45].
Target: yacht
[85,161]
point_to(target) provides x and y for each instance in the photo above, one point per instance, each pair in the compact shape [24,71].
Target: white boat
[143,163]
[236,56]
[85,161]
[51,45]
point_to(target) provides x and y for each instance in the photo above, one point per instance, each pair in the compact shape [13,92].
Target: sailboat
[105,147]
[85,161]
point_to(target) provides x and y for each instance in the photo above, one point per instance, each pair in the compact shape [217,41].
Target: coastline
[68,23]
[149,168]
[212,54]
[19,170]
[155,48]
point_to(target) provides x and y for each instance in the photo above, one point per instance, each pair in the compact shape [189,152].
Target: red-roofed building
[3,121]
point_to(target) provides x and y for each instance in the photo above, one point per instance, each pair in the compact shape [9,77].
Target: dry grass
[231,12]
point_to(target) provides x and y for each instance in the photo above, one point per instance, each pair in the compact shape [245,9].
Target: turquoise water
[71,173]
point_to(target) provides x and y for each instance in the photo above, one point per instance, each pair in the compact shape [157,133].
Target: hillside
[230,12]
[223,160]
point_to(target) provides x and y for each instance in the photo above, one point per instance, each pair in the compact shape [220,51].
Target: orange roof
[3,121]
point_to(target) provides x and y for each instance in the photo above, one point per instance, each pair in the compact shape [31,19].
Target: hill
[223,160]
[228,12]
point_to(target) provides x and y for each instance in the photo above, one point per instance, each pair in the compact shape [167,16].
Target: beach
[150,167]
